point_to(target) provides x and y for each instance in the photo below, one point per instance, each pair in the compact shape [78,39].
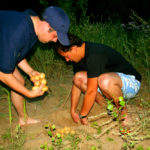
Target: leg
[80,80]
[111,84]
[18,102]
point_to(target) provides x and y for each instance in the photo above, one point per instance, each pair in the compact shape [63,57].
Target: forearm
[75,96]
[24,65]
[14,84]
[88,102]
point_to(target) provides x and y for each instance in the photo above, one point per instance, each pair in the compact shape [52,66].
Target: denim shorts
[130,86]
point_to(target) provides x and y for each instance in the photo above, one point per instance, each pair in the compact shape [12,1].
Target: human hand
[37,92]
[33,73]
[84,121]
[75,117]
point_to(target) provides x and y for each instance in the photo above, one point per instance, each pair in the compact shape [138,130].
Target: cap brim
[63,38]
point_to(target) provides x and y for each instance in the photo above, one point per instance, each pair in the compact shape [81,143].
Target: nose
[55,39]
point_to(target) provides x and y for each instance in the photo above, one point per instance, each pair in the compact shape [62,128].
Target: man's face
[70,55]
[47,34]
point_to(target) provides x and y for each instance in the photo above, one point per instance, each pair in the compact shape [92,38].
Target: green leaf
[132,145]
[53,127]
[51,148]
[53,139]
[42,146]
[58,135]
[110,107]
[139,148]
[122,103]
[99,130]
[110,139]
[46,126]
[115,114]
[50,133]
[121,98]
[93,148]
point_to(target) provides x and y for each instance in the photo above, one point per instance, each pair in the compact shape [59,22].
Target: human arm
[11,81]
[75,95]
[89,98]
[24,65]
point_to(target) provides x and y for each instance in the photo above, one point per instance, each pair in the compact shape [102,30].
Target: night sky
[98,9]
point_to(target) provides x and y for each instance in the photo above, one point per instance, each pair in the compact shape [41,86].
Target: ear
[74,48]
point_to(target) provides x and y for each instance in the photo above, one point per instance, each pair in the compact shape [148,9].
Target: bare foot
[126,119]
[29,121]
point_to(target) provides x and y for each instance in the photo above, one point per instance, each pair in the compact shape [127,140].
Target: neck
[35,20]
[82,50]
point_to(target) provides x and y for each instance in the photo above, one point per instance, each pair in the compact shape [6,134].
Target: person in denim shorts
[99,71]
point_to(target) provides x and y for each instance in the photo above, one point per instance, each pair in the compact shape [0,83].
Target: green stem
[25,112]
[10,112]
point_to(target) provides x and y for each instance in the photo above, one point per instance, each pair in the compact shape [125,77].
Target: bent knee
[104,81]
[80,78]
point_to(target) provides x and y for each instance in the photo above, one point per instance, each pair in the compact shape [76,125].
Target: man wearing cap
[19,31]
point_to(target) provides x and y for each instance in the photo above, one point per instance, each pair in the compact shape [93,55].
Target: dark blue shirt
[17,37]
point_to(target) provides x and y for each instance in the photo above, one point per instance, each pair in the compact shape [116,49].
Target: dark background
[98,10]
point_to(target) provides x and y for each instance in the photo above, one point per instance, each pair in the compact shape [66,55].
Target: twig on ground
[96,117]
[140,138]
[107,129]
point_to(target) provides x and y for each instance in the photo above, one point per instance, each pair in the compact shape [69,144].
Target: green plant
[115,113]
[58,138]
[15,141]
[140,148]
[96,126]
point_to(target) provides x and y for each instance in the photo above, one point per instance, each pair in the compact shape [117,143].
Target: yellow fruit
[62,131]
[32,78]
[42,75]
[37,83]
[45,88]
[43,81]
[65,128]
[72,132]
[35,87]
[66,132]
[37,77]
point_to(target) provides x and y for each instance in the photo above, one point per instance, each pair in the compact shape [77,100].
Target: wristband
[81,117]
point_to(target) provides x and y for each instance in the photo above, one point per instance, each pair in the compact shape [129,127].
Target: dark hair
[74,41]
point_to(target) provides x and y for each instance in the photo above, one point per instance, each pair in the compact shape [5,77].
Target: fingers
[75,117]
[84,121]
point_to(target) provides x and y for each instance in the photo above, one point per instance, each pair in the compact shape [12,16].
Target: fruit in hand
[38,80]
[43,81]
[42,75]
[37,77]
[45,88]
[37,83]
[35,87]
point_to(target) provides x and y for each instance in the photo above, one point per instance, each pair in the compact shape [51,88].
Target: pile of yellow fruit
[38,80]
[65,131]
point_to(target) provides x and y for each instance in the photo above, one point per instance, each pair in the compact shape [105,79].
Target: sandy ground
[54,108]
